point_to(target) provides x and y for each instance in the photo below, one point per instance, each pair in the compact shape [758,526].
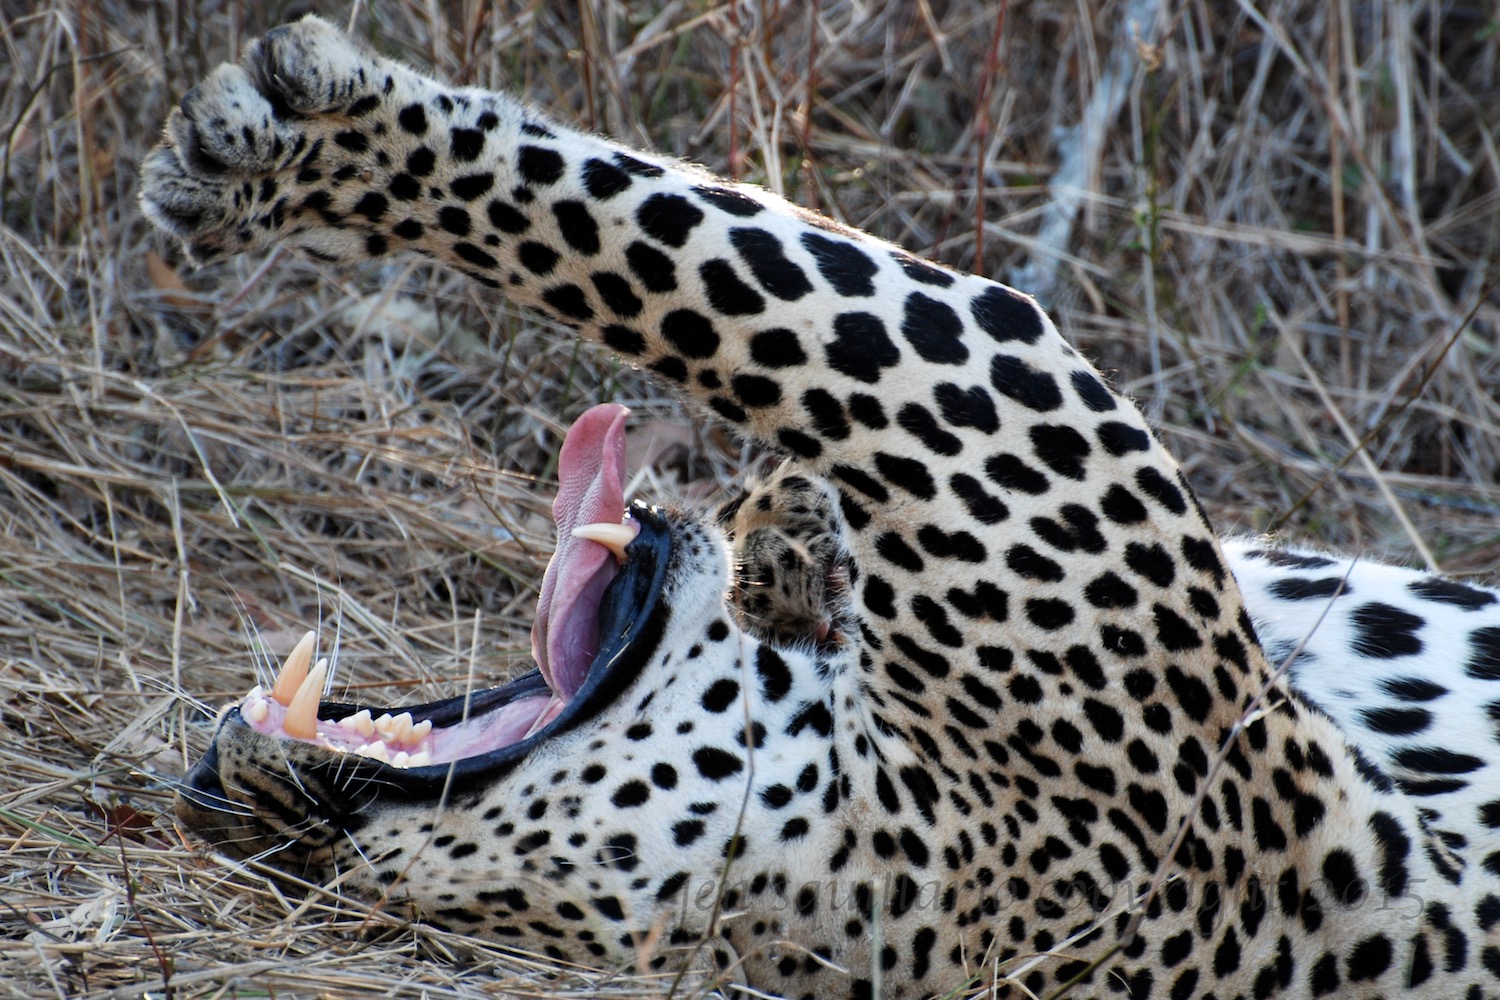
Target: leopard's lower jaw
[1043,735]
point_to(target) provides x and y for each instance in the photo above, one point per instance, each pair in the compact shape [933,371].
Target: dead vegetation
[1276,222]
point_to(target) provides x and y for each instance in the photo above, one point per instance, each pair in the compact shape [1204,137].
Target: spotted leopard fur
[1039,691]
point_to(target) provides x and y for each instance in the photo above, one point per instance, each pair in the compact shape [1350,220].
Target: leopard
[974,701]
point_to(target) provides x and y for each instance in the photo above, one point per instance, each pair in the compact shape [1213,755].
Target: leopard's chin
[445,747]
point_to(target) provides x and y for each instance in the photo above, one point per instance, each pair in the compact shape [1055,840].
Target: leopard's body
[997,679]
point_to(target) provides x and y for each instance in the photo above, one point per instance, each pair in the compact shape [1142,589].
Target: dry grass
[1285,242]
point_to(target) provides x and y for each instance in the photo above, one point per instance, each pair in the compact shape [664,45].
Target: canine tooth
[255,710]
[420,730]
[294,671]
[614,537]
[301,721]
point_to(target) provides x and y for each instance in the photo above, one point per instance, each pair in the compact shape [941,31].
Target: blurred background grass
[1275,224]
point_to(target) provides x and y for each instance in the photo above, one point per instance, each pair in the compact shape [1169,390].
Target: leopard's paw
[313,68]
[791,584]
[282,147]
[224,134]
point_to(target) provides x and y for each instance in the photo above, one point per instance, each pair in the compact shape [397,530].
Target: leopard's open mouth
[597,624]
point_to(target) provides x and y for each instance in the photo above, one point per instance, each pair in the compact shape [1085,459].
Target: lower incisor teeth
[377,750]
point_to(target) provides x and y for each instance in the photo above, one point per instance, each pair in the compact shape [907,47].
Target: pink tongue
[591,471]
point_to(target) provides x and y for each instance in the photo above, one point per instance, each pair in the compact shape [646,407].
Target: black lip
[631,622]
